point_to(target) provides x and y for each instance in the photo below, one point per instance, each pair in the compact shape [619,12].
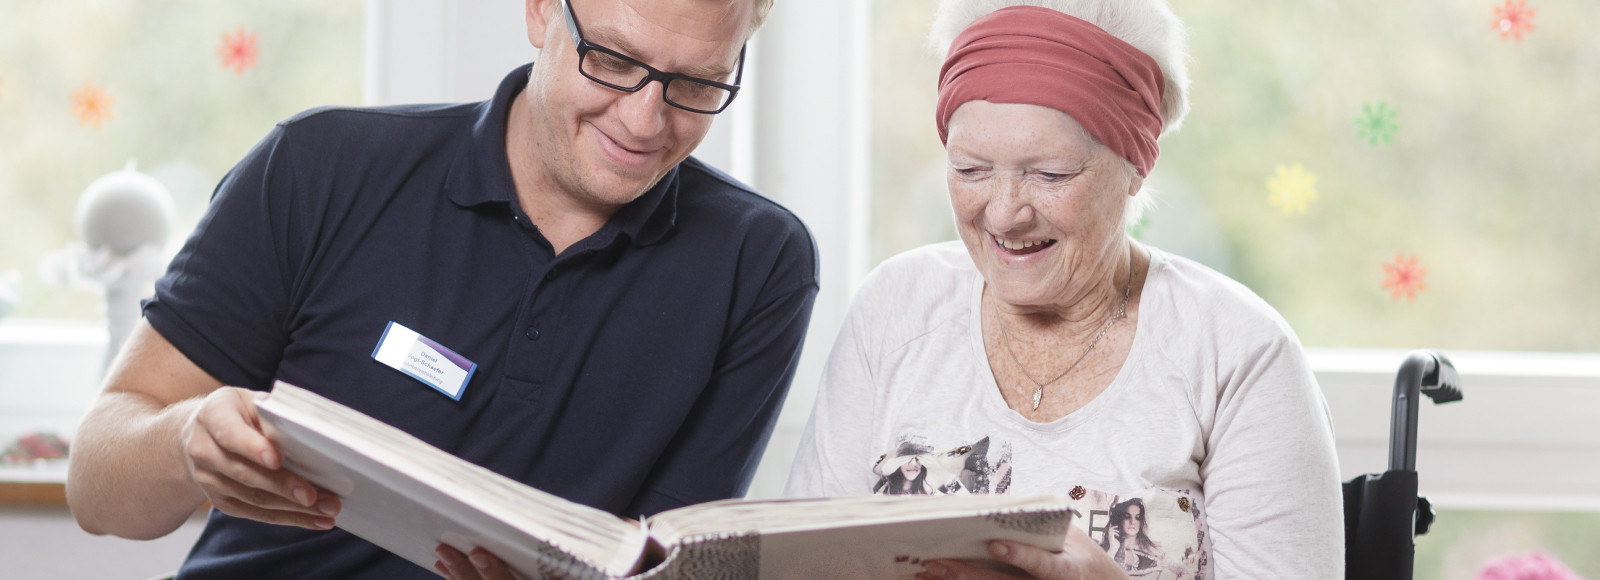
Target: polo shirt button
[533,333]
[551,275]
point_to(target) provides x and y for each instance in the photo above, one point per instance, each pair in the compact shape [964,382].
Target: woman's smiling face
[911,468]
[1036,200]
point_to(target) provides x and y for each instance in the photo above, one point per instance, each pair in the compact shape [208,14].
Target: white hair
[1148,25]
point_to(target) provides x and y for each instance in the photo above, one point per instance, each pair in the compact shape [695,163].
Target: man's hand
[1080,559]
[481,565]
[241,472]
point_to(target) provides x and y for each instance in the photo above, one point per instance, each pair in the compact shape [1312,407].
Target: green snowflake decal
[1376,123]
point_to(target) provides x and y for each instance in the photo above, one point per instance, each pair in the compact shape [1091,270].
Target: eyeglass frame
[651,74]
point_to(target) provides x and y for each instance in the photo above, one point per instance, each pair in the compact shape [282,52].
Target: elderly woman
[1098,369]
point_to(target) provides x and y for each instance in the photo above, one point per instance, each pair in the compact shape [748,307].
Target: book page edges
[499,505]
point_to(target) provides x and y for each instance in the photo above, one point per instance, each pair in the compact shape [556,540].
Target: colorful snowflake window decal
[238,51]
[1292,189]
[1376,123]
[91,104]
[1404,276]
[1513,19]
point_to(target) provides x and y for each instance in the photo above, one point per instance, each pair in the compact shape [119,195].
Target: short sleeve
[1272,476]
[224,300]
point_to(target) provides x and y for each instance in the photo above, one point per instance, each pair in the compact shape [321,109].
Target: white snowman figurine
[124,219]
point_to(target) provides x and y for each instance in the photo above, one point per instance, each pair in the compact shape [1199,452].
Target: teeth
[1014,246]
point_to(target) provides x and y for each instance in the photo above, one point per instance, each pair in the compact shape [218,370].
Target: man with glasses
[626,320]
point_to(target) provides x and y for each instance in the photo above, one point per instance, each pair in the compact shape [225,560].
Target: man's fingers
[241,472]
[236,508]
[229,417]
[230,456]
[259,489]
[236,476]
[328,504]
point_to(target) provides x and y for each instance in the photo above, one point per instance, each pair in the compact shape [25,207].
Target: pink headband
[1038,56]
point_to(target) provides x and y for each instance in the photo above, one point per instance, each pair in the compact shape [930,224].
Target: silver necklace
[1122,311]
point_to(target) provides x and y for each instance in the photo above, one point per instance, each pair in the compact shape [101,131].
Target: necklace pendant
[1037,396]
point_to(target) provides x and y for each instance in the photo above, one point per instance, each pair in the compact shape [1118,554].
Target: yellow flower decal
[1292,189]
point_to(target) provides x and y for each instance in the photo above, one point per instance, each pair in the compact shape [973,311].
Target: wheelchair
[1383,514]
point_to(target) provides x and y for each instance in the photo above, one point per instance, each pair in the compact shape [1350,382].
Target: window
[182,88]
[1411,132]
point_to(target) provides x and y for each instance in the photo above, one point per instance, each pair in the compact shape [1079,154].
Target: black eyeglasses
[617,71]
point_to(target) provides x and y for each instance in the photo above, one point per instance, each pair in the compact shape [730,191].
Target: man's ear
[541,15]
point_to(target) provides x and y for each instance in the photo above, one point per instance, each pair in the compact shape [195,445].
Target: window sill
[33,487]
[1523,437]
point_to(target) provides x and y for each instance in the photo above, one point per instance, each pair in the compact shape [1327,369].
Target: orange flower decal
[91,105]
[1513,19]
[1404,276]
[238,51]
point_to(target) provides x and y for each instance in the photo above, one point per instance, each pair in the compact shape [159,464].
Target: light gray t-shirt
[1209,456]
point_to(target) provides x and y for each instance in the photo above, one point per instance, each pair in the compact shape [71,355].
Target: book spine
[720,557]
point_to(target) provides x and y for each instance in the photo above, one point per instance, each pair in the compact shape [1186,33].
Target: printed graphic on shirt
[1154,535]
[915,467]
[1158,535]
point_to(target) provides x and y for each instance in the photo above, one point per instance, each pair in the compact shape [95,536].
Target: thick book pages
[407,497]
[849,537]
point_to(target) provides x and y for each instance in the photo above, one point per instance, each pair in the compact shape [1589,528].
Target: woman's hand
[481,565]
[1079,559]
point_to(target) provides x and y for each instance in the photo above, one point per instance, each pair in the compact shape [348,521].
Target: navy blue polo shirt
[640,370]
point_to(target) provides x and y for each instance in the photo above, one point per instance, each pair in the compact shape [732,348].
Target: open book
[407,497]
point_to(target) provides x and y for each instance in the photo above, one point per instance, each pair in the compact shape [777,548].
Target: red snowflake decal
[92,105]
[1513,19]
[238,51]
[1404,276]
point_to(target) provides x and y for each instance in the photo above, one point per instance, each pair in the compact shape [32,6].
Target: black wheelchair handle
[1424,372]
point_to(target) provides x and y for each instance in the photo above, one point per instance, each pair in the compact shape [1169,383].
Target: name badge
[425,360]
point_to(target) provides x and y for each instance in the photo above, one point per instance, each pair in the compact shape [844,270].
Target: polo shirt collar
[480,174]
